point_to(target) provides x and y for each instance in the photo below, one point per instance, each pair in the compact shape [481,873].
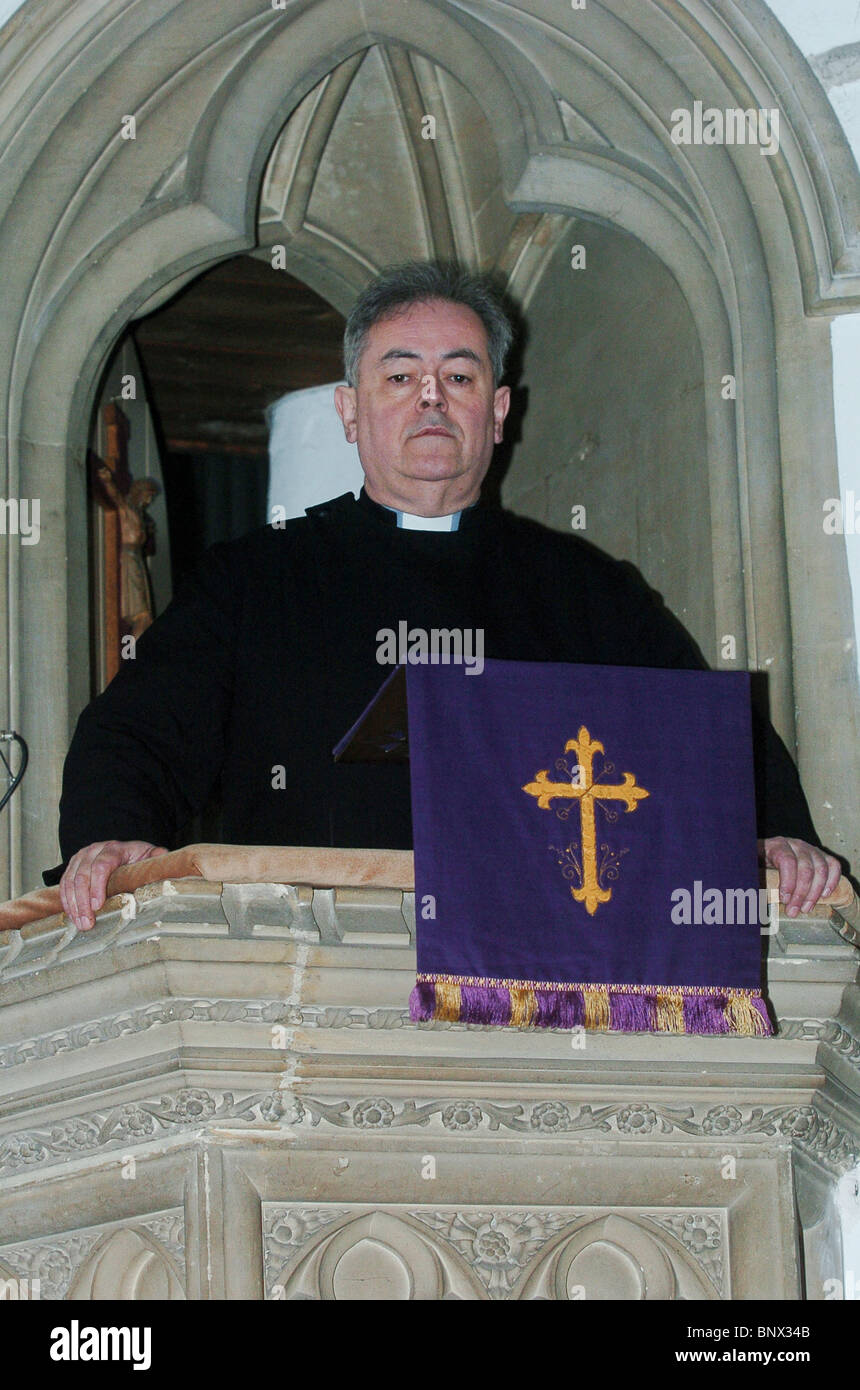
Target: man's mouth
[433,429]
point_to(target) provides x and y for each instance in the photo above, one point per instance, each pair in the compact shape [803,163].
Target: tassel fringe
[447,1003]
[601,1008]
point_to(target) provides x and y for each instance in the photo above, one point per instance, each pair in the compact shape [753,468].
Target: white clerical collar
[410,522]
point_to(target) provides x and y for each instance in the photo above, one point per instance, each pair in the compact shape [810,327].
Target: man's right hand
[84,884]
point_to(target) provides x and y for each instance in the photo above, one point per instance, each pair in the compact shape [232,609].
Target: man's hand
[805,873]
[84,884]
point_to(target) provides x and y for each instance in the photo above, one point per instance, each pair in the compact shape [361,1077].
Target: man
[261,663]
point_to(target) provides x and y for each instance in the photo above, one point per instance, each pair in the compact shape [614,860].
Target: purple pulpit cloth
[585,848]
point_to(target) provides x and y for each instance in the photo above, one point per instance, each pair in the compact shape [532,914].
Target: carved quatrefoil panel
[329,1252]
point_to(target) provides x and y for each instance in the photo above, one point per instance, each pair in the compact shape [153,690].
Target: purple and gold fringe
[603,1008]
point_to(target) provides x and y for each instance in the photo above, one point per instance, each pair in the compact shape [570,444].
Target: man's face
[424,413]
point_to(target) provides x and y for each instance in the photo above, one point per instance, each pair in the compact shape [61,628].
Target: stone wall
[616,419]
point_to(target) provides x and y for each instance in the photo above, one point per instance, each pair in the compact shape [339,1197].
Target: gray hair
[414,282]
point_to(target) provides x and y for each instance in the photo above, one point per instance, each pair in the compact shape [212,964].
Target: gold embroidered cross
[586,791]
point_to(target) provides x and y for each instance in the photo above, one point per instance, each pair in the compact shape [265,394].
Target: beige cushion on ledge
[320,868]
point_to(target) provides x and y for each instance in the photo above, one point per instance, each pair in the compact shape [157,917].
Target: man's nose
[431,391]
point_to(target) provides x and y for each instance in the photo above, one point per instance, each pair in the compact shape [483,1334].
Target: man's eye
[460,377]
[399,377]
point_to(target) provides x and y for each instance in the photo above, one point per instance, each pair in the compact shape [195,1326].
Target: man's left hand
[805,873]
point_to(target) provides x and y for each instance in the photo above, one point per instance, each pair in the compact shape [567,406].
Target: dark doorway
[227,346]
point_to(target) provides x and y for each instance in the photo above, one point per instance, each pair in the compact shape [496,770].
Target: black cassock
[269,654]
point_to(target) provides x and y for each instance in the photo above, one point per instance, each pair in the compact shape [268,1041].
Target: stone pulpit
[218,1093]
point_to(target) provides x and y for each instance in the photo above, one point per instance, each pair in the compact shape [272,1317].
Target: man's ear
[346,406]
[501,406]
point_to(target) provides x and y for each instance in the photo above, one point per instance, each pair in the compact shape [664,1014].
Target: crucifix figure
[136,529]
[583,787]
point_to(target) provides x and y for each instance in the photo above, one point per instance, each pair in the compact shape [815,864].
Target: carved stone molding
[354,1016]
[59,1261]
[792,1123]
[806,1029]
[178,1010]
[271,1011]
[846,1043]
[141,1121]
[278,1012]
[258,910]
[136,1122]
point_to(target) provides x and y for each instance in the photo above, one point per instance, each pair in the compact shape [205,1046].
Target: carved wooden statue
[136,532]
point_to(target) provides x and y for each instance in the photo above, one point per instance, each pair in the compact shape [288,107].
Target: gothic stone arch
[96,230]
